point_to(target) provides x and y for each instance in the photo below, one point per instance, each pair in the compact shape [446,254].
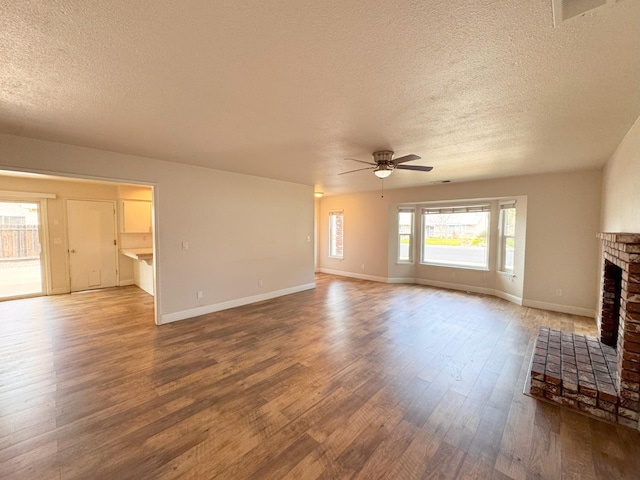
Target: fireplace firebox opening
[610,313]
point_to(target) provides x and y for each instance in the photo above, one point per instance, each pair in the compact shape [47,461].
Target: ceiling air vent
[564,10]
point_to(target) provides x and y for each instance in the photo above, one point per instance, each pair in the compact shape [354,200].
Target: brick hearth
[600,377]
[576,371]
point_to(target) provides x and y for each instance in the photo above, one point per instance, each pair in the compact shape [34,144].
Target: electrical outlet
[558,293]
[185,245]
[259,283]
[363,267]
[199,294]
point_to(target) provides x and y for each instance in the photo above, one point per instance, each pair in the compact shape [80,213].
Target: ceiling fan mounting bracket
[382,156]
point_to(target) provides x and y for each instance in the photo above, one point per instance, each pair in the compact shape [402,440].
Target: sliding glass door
[21,272]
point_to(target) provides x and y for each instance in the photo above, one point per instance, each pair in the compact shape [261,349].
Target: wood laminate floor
[351,380]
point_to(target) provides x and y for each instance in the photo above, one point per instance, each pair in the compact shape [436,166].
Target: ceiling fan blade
[361,161]
[357,170]
[418,168]
[406,158]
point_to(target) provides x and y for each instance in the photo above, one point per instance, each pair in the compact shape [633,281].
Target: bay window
[456,236]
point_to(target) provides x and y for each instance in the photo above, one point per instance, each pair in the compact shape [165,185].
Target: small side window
[336,234]
[405,235]
[507,236]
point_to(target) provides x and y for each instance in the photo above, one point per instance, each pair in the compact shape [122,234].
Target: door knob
[72,251]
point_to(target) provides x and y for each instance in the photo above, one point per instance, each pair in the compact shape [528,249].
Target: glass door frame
[43,236]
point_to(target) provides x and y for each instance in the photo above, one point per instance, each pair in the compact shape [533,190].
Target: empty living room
[321,240]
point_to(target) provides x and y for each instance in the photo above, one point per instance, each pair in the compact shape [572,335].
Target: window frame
[335,213]
[483,207]
[503,237]
[411,235]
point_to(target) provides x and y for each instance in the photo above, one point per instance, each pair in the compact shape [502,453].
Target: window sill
[336,258]
[404,263]
[459,267]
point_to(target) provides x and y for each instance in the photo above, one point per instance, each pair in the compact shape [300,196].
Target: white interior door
[92,244]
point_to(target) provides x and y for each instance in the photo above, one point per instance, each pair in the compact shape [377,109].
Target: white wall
[366,231]
[562,212]
[621,186]
[241,229]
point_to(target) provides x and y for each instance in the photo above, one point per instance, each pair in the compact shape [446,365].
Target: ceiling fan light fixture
[382,171]
[384,164]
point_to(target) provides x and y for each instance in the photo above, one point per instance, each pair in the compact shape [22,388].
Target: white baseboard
[216,307]
[59,291]
[126,283]
[402,280]
[355,275]
[456,286]
[508,297]
[473,289]
[556,307]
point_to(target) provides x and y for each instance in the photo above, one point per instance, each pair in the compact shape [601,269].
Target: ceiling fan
[383,164]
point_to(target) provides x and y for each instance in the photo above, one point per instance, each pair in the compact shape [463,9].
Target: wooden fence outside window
[19,242]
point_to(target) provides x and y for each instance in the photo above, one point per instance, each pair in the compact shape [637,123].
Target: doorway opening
[21,254]
[91,233]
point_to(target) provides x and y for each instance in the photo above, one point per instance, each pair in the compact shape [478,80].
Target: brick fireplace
[599,376]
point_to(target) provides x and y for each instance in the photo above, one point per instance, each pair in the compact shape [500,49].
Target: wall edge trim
[359,276]
[59,291]
[216,307]
[555,307]
[508,297]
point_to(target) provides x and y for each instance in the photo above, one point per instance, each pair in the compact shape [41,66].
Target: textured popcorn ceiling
[287,89]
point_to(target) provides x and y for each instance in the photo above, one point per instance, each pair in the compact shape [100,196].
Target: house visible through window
[456,236]
[507,236]
[405,235]
[336,234]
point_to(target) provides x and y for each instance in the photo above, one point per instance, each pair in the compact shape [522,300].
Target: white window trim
[411,260]
[504,205]
[456,208]
[10,194]
[336,212]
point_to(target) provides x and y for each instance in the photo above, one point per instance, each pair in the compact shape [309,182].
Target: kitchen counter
[142,254]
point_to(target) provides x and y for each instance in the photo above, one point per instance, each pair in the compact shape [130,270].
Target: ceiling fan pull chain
[382,189]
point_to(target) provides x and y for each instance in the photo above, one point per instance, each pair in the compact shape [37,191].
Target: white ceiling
[286,90]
